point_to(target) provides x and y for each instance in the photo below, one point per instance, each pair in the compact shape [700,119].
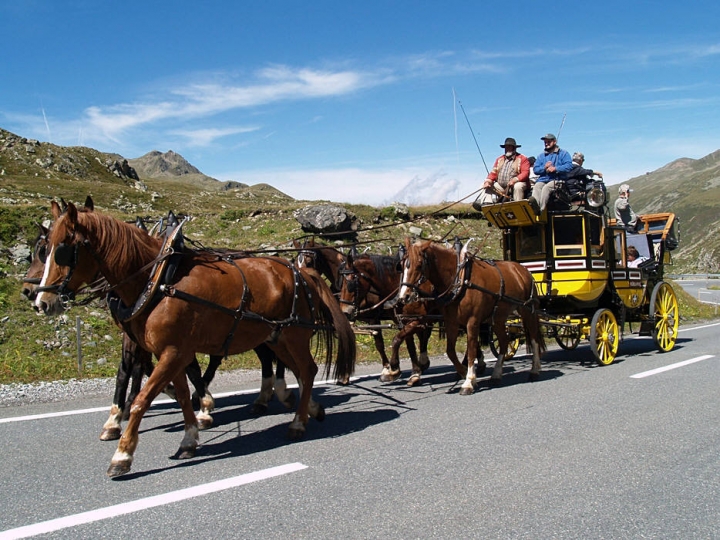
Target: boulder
[326,218]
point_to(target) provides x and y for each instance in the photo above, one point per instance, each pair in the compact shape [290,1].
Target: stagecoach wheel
[664,309]
[567,337]
[513,345]
[604,336]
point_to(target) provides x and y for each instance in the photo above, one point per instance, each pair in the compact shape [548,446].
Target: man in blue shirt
[551,165]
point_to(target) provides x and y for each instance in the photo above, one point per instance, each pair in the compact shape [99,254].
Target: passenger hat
[510,142]
[624,189]
[549,137]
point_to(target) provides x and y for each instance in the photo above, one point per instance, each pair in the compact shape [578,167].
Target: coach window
[530,242]
[568,236]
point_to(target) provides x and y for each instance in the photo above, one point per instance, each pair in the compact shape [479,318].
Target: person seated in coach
[508,178]
[577,178]
[550,165]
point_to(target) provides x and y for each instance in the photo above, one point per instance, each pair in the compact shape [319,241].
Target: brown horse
[474,291]
[368,283]
[135,362]
[215,304]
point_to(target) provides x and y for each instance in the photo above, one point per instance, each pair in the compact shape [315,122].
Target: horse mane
[122,242]
[384,265]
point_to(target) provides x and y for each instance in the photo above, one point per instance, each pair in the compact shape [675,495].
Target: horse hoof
[204,422]
[118,469]
[258,409]
[320,416]
[466,391]
[495,382]
[480,369]
[414,381]
[390,376]
[424,367]
[295,434]
[534,377]
[110,434]
[186,454]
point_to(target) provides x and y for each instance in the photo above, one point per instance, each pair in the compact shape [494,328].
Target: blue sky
[360,101]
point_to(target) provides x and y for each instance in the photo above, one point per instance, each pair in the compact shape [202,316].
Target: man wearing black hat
[508,178]
[551,165]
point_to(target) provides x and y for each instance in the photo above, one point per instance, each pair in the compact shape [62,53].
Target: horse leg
[424,334]
[414,379]
[392,372]
[380,347]
[500,329]
[534,339]
[294,351]
[266,357]
[113,425]
[468,387]
[451,335]
[285,396]
[169,368]
[205,401]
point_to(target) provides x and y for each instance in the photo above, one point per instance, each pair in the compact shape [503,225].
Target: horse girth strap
[500,295]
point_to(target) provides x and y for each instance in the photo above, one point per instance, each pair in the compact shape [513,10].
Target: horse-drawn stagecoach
[588,287]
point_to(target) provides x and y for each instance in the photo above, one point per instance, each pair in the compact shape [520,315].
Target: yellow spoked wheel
[513,345]
[664,309]
[604,336]
[567,337]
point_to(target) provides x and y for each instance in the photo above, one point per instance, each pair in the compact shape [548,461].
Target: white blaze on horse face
[41,299]
[404,289]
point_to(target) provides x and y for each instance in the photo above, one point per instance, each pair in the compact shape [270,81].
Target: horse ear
[89,204]
[55,210]
[72,213]
[43,229]
[63,204]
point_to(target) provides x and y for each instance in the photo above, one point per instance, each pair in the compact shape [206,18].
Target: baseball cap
[624,189]
[548,137]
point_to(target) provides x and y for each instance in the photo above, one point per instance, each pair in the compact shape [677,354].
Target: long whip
[473,136]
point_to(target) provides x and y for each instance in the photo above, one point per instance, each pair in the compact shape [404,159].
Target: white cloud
[205,137]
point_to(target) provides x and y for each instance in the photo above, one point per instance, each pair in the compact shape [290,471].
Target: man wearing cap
[508,177]
[624,215]
[550,166]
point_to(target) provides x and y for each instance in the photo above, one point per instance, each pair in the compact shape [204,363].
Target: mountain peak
[155,164]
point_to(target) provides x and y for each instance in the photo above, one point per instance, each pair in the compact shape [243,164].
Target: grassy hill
[691,189]
[236,215]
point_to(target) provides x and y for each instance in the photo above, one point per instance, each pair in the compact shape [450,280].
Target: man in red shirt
[508,179]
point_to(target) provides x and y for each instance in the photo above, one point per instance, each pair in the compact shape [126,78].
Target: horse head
[37,264]
[68,265]
[415,271]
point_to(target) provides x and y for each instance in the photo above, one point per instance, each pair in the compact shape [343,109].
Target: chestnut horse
[215,304]
[135,362]
[368,283]
[475,291]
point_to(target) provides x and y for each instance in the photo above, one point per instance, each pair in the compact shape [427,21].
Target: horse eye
[42,254]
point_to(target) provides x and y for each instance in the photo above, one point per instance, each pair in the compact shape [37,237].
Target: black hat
[548,137]
[510,142]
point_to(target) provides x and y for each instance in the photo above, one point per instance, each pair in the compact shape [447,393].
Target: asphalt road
[586,452]
[700,289]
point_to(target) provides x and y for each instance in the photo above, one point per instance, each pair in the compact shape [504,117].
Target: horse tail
[346,354]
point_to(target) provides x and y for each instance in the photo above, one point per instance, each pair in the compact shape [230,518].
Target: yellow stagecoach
[588,287]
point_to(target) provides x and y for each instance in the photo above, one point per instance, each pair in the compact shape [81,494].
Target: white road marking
[155,402]
[671,366]
[148,502]
[698,327]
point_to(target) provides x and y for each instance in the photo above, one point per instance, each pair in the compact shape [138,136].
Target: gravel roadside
[13,395]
